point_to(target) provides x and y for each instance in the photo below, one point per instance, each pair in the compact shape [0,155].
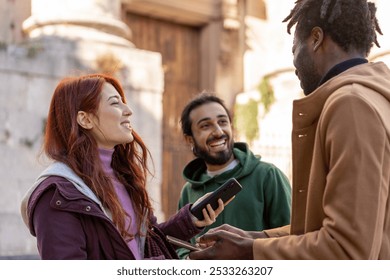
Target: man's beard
[220,158]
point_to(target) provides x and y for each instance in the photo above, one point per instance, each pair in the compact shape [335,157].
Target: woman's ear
[84,120]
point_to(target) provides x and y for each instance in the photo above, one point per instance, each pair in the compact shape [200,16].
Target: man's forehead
[208,111]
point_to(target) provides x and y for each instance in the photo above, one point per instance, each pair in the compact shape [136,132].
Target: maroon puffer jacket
[68,225]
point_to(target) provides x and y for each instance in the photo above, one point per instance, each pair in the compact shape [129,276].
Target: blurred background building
[164,52]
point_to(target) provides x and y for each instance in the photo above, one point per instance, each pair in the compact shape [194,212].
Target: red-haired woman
[91,202]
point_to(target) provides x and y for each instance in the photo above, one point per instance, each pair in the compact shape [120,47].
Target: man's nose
[218,130]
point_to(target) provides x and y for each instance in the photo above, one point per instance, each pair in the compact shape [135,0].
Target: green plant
[246,119]
[246,115]
[267,97]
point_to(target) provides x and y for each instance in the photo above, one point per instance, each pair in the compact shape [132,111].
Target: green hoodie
[263,203]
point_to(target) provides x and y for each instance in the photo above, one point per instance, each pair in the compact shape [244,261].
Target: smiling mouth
[218,143]
[127,125]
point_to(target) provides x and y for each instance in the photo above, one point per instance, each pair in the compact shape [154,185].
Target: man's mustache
[212,138]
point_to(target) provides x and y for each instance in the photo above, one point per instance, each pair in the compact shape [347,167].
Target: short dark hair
[203,98]
[352,24]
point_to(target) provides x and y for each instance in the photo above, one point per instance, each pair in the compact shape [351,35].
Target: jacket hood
[62,170]
[193,171]
[374,75]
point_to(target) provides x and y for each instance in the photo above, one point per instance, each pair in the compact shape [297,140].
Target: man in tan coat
[340,145]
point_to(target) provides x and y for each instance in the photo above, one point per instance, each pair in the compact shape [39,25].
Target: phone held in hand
[229,189]
[182,244]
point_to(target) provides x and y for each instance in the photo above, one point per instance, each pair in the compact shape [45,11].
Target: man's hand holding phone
[223,245]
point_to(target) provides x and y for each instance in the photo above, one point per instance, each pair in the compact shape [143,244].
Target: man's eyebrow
[202,120]
[208,118]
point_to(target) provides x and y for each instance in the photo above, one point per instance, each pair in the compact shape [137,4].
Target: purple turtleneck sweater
[124,199]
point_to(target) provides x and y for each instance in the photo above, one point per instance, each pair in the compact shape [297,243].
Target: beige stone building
[164,52]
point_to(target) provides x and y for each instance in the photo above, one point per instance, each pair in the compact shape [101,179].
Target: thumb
[209,237]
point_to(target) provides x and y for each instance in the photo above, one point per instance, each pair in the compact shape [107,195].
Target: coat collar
[307,110]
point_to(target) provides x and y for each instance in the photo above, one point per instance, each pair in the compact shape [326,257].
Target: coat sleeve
[59,233]
[180,225]
[278,232]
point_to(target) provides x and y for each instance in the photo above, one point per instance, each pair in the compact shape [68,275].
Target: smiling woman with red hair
[91,202]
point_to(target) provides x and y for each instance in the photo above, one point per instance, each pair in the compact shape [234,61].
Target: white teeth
[127,125]
[222,142]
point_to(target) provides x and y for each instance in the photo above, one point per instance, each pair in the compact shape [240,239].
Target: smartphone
[181,243]
[230,188]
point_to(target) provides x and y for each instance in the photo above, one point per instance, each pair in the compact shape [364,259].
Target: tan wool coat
[341,171]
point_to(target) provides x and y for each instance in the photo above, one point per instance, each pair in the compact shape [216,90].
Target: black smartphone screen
[228,189]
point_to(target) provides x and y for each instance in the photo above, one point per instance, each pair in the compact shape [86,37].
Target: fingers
[210,244]
[209,237]
[225,227]
[201,198]
[227,202]
[224,245]
[206,242]
[215,213]
[221,207]
[211,215]
[221,227]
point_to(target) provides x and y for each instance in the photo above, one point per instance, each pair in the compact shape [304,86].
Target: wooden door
[179,47]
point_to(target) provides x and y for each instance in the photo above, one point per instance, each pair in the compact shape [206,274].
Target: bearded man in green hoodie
[340,145]
[265,199]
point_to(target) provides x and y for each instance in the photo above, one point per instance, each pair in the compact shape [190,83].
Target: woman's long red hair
[68,142]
